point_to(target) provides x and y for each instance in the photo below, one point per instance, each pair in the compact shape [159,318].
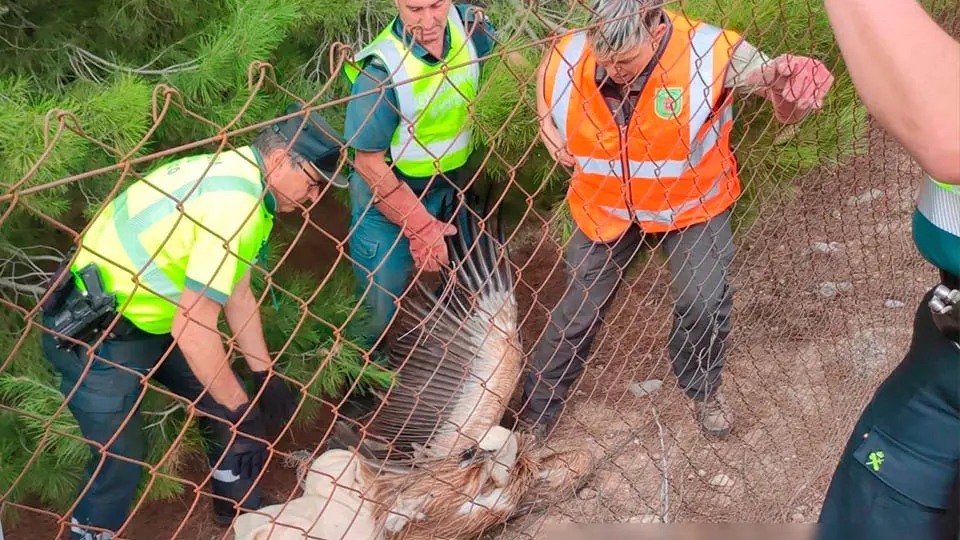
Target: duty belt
[945,307]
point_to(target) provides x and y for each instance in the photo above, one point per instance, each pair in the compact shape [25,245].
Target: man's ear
[273,161]
[659,32]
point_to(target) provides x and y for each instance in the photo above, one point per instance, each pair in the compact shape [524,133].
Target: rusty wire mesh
[825,279]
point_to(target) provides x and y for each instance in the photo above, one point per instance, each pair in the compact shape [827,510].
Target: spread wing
[456,353]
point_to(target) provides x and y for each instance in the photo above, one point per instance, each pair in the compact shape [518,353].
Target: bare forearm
[243,318]
[907,71]
[207,359]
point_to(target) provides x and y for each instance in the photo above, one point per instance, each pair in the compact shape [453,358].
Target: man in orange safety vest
[639,105]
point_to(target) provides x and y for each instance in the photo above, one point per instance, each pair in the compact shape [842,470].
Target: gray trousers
[699,258]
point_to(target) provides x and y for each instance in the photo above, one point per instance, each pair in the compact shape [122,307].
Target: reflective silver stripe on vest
[408,147]
[700,96]
[130,228]
[940,205]
[417,149]
[667,216]
[563,83]
[653,170]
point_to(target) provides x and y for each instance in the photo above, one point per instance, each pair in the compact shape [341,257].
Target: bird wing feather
[457,355]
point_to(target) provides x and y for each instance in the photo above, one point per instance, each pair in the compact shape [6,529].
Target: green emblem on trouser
[434,131]
[669,102]
[875,459]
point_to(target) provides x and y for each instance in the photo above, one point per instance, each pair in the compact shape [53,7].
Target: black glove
[246,456]
[277,401]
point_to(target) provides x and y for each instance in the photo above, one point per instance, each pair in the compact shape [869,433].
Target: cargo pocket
[919,479]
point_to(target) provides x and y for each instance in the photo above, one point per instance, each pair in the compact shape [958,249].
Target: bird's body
[432,458]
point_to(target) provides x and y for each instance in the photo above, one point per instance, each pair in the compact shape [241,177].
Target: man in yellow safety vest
[411,142]
[153,272]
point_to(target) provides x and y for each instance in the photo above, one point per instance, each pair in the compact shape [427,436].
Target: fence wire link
[820,269]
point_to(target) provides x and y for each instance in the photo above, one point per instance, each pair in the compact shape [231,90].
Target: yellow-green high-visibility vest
[434,134]
[149,251]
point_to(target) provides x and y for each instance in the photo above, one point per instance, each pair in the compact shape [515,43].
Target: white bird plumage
[432,460]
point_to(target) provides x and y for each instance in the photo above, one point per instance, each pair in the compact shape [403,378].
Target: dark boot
[225,511]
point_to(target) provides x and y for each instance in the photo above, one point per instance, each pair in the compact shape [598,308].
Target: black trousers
[105,404]
[699,257]
[898,475]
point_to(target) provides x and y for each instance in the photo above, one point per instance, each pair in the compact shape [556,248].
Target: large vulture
[429,458]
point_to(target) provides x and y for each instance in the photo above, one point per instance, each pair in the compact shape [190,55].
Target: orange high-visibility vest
[671,166]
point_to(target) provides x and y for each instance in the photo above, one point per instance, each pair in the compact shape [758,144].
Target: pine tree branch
[35,290]
[164,415]
[86,55]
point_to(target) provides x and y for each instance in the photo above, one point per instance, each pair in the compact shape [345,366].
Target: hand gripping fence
[791,306]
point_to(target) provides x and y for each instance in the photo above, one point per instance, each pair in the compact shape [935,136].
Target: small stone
[824,247]
[836,214]
[721,480]
[646,518]
[892,304]
[827,289]
[646,388]
[797,517]
[587,494]
[702,473]
[865,197]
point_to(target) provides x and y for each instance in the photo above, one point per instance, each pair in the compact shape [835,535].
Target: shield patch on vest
[669,102]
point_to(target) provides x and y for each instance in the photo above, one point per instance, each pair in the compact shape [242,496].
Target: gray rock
[646,388]
[825,247]
[722,481]
[865,197]
[829,289]
[587,494]
[892,304]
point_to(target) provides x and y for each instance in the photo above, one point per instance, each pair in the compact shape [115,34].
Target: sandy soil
[801,363]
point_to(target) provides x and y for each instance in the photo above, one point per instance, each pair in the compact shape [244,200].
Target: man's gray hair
[268,141]
[617,26]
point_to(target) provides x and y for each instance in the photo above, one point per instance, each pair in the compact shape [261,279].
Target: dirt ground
[816,327]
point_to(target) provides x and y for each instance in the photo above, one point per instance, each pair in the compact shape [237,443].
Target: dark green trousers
[898,475]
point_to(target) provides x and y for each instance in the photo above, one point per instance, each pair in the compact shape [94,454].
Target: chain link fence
[823,277]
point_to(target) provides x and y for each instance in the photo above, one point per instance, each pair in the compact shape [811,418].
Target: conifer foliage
[101,62]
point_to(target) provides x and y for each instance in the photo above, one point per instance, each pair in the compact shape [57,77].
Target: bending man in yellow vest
[169,254]
[639,105]
[411,142]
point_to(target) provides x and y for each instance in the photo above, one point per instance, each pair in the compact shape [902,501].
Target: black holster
[76,314]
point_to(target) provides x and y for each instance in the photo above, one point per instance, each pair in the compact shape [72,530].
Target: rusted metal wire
[787,365]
